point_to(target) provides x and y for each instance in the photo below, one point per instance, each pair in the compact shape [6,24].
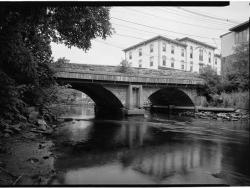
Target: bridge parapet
[136,75]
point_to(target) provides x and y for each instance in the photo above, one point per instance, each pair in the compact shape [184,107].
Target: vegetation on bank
[232,90]
[27,78]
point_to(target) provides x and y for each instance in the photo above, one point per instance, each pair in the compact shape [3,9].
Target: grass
[232,100]
[236,99]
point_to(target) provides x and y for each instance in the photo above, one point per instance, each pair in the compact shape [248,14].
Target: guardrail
[121,77]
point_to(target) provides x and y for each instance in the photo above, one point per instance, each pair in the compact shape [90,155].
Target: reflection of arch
[100,95]
[170,96]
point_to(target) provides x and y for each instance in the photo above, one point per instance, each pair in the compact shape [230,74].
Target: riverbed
[150,149]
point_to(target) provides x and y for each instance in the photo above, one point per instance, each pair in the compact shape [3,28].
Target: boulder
[8,131]
[6,135]
[238,111]
[33,116]
[33,160]
[53,126]
[42,125]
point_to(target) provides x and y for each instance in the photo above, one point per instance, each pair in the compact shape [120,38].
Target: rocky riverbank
[26,151]
[230,116]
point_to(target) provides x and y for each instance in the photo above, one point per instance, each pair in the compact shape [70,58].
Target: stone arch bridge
[111,89]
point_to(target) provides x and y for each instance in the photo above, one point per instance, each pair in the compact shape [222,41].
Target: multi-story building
[237,35]
[163,53]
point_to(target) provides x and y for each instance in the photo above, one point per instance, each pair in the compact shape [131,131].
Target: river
[150,149]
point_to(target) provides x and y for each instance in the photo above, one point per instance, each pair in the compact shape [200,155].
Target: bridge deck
[135,75]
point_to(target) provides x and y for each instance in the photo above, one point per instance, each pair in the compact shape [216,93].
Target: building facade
[237,35]
[182,54]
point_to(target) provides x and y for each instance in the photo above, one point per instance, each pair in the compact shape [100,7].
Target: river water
[150,149]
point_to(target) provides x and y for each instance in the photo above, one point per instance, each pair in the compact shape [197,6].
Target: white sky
[109,51]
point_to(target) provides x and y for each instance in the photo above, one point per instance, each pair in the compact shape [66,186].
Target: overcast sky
[171,22]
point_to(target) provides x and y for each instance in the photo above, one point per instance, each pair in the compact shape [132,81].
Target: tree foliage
[212,80]
[125,66]
[237,78]
[26,32]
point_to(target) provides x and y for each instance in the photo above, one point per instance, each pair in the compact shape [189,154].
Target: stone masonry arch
[170,96]
[102,96]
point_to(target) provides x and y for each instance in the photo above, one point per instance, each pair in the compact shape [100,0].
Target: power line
[188,15]
[125,26]
[159,28]
[116,46]
[130,36]
[173,20]
[147,31]
[207,16]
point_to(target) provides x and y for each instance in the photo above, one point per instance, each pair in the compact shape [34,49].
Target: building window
[191,51]
[182,52]
[200,66]
[182,65]
[201,55]
[191,68]
[140,52]
[151,61]
[215,61]
[209,57]
[164,47]
[172,62]
[164,60]
[172,49]
[140,63]
[130,55]
[151,47]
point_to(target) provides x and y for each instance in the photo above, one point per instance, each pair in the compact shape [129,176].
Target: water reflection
[140,150]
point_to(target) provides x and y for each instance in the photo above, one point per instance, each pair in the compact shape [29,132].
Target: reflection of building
[134,148]
[237,35]
[163,53]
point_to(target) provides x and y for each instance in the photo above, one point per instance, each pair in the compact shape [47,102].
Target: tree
[62,60]
[237,78]
[125,67]
[212,80]
[26,32]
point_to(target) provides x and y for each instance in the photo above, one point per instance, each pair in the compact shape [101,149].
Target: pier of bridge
[111,89]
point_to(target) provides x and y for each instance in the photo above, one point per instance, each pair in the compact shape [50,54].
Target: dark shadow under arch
[102,97]
[170,96]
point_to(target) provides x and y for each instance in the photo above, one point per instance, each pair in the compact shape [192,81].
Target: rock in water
[33,116]
[42,124]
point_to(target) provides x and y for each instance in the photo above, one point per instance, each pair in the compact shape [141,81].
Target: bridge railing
[88,74]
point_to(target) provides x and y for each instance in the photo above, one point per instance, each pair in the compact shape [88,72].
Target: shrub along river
[154,149]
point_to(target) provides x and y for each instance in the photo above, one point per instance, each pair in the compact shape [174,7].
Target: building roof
[155,38]
[240,27]
[225,34]
[196,41]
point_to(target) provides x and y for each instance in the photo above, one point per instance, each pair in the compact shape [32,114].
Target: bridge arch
[171,96]
[102,97]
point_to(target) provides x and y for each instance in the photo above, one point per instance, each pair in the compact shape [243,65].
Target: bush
[125,67]
[233,99]
[213,83]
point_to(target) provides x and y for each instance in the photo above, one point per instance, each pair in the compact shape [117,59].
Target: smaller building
[237,35]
